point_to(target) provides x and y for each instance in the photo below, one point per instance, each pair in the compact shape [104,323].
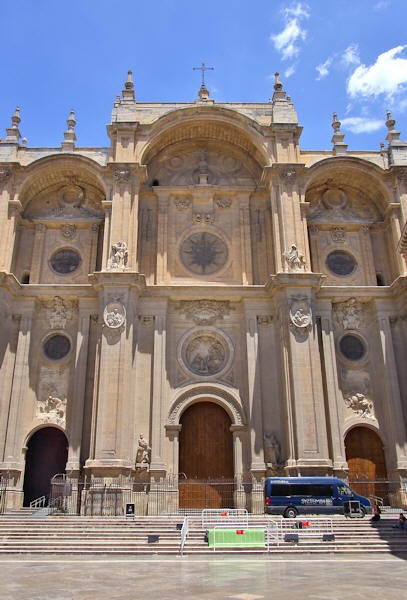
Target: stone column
[113,424]
[13,457]
[8,348]
[245,241]
[238,432]
[394,412]
[333,393]
[162,239]
[159,392]
[302,376]
[75,426]
[287,210]
[8,215]
[38,249]
[254,392]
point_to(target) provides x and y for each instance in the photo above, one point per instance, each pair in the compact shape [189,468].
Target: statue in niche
[272,450]
[143,456]
[118,256]
[360,404]
[294,259]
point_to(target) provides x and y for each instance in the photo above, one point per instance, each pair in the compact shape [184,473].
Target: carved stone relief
[334,205]
[300,316]
[114,315]
[338,235]
[349,314]
[68,231]
[205,312]
[205,352]
[360,405]
[59,312]
[143,457]
[52,396]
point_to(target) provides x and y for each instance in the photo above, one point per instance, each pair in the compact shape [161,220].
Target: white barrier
[212,517]
[292,530]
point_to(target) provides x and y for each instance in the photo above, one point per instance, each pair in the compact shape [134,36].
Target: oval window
[341,263]
[352,347]
[57,347]
[65,261]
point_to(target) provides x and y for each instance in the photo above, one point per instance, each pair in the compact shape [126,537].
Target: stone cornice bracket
[117,279]
[299,279]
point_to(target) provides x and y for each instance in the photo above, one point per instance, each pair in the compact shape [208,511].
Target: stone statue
[272,450]
[118,255]
[143,452]
[360,404]
[295,260]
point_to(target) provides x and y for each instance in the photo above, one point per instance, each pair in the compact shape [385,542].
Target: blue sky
[347,56]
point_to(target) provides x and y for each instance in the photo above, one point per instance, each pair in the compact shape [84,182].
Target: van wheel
[290,513]
[362,512]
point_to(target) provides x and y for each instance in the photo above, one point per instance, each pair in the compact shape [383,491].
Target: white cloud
[351,55]
[287,41]
[381,4]
[323,69]
[361,124]
[290,71]
[387,76]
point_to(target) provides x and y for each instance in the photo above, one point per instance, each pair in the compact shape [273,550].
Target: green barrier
[221,538]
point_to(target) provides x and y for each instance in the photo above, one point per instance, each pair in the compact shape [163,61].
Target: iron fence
[108,497]
[4,480]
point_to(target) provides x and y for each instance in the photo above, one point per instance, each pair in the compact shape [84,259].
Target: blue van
[290,496]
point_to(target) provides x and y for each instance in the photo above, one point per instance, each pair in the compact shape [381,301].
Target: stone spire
[128,92]
[279,93]
[393,135]
[339,146]
[13,132]
[69,142]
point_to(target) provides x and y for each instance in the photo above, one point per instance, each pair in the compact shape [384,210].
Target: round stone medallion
[205,352]
[203,253]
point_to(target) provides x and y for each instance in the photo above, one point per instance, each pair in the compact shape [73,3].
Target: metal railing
[292,530]
[39,502]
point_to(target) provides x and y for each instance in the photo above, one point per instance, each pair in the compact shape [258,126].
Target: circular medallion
[203,253]
[114,315]
[205,352]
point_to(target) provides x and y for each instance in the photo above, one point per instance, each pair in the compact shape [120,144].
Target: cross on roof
[203,68]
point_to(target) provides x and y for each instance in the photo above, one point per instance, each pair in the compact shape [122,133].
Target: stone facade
[203,256]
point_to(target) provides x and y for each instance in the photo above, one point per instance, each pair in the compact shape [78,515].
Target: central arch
[205,456]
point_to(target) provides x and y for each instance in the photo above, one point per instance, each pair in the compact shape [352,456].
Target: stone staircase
[30,533]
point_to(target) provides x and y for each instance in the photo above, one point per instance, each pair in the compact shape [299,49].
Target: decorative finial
[393,134]
[13,133]
[128,92]
[339,147]
[278,86]
[129,85]
[69,136]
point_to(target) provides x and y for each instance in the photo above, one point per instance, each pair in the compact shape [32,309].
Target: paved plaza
[246,577]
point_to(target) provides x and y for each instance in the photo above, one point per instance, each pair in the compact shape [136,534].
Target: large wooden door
[205,457]
[366,462]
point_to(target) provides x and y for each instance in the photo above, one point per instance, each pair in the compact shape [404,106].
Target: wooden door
[366,462]
[206,457]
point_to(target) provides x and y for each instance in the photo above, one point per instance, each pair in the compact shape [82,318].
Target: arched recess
[47,453]
[210,422]
[366,462]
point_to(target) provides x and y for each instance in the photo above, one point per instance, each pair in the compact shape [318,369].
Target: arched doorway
[205,457]
[47,453]
[366,462]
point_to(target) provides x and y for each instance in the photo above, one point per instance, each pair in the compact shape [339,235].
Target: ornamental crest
[114,315]
[205,312]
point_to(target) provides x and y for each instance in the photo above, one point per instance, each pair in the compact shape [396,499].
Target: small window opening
[25,278]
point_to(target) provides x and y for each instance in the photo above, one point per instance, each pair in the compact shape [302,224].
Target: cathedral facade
[202,300]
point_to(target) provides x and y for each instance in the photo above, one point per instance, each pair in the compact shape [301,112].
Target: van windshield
[344,490]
